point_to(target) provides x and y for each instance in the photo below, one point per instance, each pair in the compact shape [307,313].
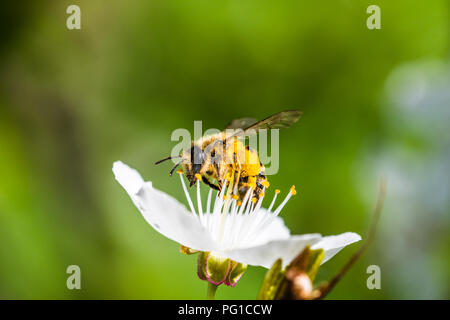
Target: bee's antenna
[174,167]
[165,159]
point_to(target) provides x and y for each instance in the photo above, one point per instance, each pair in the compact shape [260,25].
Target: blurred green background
[376,104]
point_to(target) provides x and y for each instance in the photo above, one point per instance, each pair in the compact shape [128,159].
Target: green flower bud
[237,271]
[216,269]
[273,282]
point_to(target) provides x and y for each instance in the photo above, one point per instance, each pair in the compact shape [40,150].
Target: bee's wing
[281,120]
[241,123]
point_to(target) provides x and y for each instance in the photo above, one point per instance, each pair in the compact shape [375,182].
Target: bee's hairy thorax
[220,160]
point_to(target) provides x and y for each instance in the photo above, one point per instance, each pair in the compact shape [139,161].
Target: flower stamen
[232,221]
[199,199]
[208,202]
[292,192]
[188,197]
[277,191]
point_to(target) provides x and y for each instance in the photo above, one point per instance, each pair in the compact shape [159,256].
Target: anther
[293,191]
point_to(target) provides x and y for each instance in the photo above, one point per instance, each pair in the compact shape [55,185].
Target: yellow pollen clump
[235,197]
[265,183]
[262,194]
[293,191]
[254,200]
[198,176]
[225,197]
[180,171]
[277,191]
[239,203]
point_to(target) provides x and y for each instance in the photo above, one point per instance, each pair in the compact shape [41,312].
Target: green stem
[211,293]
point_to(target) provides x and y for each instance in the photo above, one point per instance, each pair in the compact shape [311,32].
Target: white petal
[275,229]
[128,178]
[164,213]
[334,244]
[265,255]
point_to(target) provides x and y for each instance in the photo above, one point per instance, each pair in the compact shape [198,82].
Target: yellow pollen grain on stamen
[277,191]
[225,197]
[262,194]
[293,191]
[254,200]
[234,196]
[265,183]
[180,171]
[198,176]
[239,203]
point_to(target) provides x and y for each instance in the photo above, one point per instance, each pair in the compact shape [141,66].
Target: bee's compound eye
[197,158]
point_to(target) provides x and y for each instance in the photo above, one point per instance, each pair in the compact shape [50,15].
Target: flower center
[230,221]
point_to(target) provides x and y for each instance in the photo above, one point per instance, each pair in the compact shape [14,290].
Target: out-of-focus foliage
[72,102]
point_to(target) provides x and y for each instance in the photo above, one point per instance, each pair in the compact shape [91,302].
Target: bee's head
[193,160]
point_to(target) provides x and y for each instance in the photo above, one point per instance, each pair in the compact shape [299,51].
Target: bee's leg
[261,183]
[237,163]
[216,164]
[238,172]
[255,185]
[210,184]
[219,178]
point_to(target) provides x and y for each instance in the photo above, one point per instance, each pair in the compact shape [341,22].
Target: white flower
[248,233]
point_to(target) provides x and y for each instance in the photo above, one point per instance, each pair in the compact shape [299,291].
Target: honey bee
[222,158]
